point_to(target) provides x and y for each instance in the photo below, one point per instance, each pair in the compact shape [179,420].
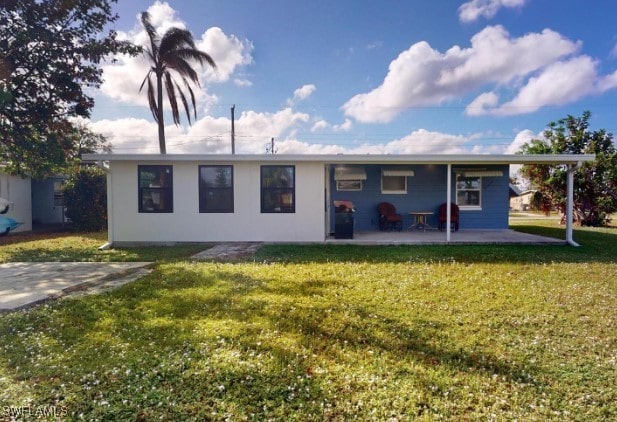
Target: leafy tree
[84,141]
[85,197]
[167,54]
[595,183]
[50,53]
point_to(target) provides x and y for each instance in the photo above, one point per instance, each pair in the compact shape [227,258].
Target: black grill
[343,219]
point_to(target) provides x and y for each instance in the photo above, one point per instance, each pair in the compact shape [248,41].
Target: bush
[85,196]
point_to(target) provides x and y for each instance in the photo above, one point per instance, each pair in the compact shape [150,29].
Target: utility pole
[270,149]
[233,130]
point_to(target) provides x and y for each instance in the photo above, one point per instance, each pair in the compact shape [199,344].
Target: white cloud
[558,84]
[123,78]
[607,82]
[474,9]
[483,101]
[243,83]
[346,126]
[228,53]
[561,83]
[418,142]
[520,139]
[423,141]
[254,131]
[613,52]
[422,76]
[293,146]
[320,125]
[302,93]
[207,135]
[134,136]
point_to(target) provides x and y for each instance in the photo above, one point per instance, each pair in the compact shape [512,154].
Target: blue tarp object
[7,224]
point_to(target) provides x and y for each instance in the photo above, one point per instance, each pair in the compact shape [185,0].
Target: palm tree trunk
[159,100]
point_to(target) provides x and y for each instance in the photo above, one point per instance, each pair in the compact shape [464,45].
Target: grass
[332,333]
[83,247]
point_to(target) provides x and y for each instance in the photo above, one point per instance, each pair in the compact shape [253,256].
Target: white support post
[570,206]
[448,203]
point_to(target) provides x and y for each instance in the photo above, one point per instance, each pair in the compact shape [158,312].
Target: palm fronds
[170,56]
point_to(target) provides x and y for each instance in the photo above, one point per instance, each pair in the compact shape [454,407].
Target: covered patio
[435,237]
[477,185]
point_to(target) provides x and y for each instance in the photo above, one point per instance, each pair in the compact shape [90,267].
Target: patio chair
[443,216]
[388,218]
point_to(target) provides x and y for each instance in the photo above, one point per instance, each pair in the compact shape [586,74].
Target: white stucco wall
[186,224]
[18,191]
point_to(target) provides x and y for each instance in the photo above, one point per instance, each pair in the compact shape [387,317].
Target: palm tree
[167,54]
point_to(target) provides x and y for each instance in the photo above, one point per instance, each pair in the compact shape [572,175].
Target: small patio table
[420,220]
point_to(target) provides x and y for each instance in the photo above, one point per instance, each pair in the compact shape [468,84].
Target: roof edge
[355,158]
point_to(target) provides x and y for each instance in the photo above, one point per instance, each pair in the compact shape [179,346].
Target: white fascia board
[354,158]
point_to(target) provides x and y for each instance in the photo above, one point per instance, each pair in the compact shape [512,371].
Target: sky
[370,77]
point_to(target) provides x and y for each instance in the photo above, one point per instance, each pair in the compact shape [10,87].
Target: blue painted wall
[426,190]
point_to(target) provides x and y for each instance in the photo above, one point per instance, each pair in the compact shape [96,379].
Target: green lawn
[328,332]
[58,246]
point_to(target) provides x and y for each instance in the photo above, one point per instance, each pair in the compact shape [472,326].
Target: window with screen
[216,189]
[278,189]
[155,189]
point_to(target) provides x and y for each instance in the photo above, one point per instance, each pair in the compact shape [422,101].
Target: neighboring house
[522,202]
[289,198]
[47,201]
[32,201]
[17,191]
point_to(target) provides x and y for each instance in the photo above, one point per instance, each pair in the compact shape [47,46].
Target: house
[32,202]
[522,202]
[289,198]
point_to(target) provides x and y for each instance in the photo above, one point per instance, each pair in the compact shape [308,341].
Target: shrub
[85,196]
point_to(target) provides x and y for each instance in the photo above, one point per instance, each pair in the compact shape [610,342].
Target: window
[155,189]
[393,184]
[469,192]
[278,193]
[58,195]
[216,189]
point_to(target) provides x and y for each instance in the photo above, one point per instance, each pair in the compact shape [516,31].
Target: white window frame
[394,192]
[479,190]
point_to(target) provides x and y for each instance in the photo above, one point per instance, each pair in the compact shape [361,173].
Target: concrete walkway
[23,284]
[229,251]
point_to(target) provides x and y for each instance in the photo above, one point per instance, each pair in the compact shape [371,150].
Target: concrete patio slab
[24,284]
[435,237]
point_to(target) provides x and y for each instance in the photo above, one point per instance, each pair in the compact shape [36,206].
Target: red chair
[388,218]
[443,216]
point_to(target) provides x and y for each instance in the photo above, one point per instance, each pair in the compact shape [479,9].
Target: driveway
[24,284]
